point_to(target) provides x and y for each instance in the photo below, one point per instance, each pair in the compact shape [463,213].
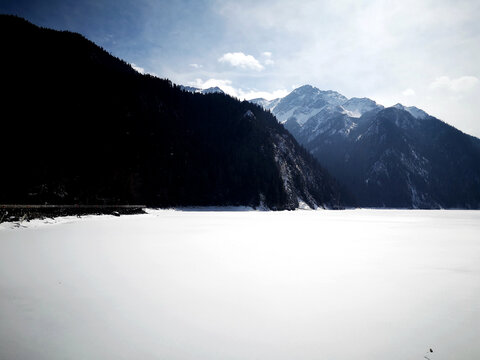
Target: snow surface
[356,284]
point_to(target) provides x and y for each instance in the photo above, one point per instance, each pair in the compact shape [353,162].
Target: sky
[415,52]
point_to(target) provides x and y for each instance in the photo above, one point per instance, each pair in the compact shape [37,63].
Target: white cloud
[141,70]
[461,84]
[242,94]
[267,55]
[253,94]
[137,68]
[225,85]
[408,92]
[196,66]
[240,60]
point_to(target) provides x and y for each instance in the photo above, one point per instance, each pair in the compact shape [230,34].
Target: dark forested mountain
[81,126]
[394,157]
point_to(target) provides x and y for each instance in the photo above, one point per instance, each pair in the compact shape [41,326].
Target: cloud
[253,94]
[141,70]
[225,85]
[240,60]
[242,94]
[196,66]
[137,68]
[461,84]
[408,92]
[267,55]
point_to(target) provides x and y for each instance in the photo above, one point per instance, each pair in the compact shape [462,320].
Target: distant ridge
[211,90]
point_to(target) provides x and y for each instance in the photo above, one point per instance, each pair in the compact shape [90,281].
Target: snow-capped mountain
[356,107]
[386,157]
[210,90]
[191,89]
[266,104]
[414,111]
[305,102]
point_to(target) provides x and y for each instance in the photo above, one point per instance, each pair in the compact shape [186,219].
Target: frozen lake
[310,285]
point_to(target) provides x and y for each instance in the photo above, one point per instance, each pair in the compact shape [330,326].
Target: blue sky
[422,53]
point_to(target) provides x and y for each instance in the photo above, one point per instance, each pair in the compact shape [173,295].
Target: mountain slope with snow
[387,157]
[266,104]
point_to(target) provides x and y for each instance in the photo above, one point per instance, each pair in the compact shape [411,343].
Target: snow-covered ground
[334,285]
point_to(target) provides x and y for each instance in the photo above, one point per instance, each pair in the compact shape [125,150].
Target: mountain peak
[212,90]
[312,92]
[414,111]
[305,102]
[189,88]
[305,88]
[310,89]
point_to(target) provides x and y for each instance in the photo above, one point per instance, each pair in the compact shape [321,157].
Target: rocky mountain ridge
[397,157]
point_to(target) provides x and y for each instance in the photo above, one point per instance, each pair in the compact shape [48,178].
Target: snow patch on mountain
[353,114]
[249,114]
[309,112]
[414,111]
[356,107]
[191,89]
[305,102]
[211,90]
[264,103]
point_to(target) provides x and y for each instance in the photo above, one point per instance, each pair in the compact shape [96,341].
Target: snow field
[359,284]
